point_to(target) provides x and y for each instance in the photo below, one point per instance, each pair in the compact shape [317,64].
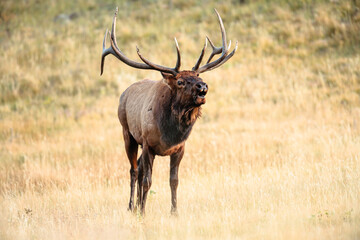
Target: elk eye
[180,82]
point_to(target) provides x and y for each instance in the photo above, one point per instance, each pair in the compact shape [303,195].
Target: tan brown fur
[137,106]
[159,116]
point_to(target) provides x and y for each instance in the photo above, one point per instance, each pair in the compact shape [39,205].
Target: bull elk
[159,115]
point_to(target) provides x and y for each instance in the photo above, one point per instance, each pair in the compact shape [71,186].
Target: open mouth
[200,97]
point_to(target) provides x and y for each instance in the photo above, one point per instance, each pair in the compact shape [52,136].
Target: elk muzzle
[201,90]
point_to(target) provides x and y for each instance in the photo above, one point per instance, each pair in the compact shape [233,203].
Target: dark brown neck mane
[176,121]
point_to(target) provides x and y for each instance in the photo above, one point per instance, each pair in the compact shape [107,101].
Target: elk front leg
[175,160]
[147,164]
[131,148]
[140,178]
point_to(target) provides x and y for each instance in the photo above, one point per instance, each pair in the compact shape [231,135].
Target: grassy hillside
[275,154]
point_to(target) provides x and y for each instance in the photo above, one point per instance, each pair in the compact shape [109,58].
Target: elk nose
[202,87]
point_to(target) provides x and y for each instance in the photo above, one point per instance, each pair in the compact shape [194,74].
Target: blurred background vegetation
[276,150]
[300,56]
[52,48]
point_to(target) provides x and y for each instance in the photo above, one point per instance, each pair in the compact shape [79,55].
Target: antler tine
[216,50]
[178,62]
[222,28]
[155,66]
[173,71]
[224,50]
[197,65]
[114,50]
[105,52]
[227,57]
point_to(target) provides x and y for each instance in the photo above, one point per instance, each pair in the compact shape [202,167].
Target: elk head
[187,86]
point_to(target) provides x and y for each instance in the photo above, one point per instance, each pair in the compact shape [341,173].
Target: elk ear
[169,79]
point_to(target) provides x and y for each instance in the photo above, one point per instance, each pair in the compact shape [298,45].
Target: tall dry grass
[274,156]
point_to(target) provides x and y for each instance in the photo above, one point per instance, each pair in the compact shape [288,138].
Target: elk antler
[114,50]
[197,65]
[174,70]
[224,50]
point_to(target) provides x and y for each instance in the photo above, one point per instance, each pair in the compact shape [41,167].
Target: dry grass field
[275,155]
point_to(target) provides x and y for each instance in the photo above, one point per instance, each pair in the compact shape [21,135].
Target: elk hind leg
[131,148]
[147,164]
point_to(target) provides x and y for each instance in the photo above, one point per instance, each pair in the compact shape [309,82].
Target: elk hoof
[131,208]
[174,213]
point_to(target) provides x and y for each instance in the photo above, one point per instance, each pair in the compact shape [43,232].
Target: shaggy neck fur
[177,121]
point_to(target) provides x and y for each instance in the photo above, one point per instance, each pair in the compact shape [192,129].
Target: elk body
[159,115]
